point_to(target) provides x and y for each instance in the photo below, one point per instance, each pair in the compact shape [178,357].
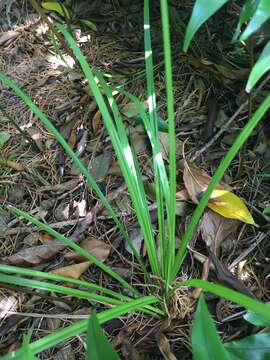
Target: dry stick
[234,116]
[48,316]
[205,273]
[258,239]
[42,14]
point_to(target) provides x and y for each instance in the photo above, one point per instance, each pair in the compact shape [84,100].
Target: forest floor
[38,177]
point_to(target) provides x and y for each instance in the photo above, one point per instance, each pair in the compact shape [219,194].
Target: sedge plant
[165,263]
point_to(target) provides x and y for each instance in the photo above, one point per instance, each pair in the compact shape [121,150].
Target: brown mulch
[45,183]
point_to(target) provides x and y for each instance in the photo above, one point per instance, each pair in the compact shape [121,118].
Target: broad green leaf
[246,13]
[57,7]
[260,68]
[261,14]
[257,319]
[202,11]
[267,209]
[206,344]
[255,347]
[4,137]
[98,347]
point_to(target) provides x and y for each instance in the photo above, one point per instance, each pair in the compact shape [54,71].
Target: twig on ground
[258,239]
[228,123]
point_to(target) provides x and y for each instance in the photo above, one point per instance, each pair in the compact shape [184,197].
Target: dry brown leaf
[72,271]
[7,37]
[227,278]
[222,73]
[72,139]
[223,201]
[205,273]
[164,346]
[215,228]
[196,181]
[164,145]
[13,165]
[37,137]
[129,351]
[140,142]
[66,129]
[46,238]
[97,248]
[60,188]
[96,122]
[34,255]
[123,334]
[182,195]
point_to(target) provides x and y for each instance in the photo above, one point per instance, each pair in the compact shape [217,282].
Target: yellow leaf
[55,6]
[227,204]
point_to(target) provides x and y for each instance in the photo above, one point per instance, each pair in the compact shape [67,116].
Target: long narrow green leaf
[206,344]
[234,296]
[170,256]
[81,326]
[157,156]
[124,155]
[131,175]
[34,273]
[202,11]
[40,274]
[42,285]
[153,129]
[66,146]
[148,55]
[73,246]
[242,137]
[98,346]
[27,353]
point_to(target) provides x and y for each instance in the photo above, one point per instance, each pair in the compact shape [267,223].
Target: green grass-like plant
[166,264]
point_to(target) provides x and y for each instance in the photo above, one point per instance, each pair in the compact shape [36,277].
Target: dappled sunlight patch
[56,61]
[8,304]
